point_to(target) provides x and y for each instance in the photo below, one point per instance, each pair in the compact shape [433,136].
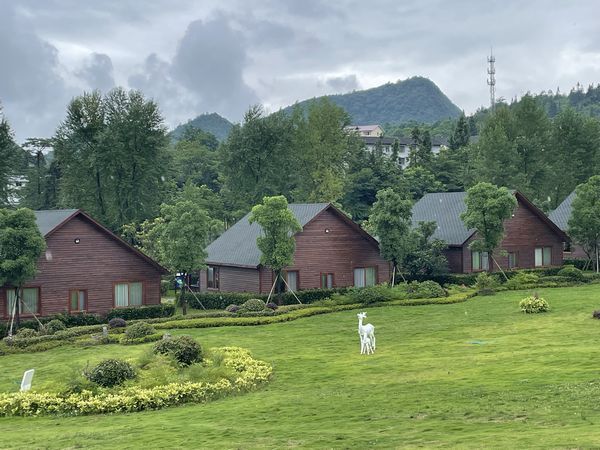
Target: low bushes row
[143,312]
[220,300]
[251,374]
[296,312]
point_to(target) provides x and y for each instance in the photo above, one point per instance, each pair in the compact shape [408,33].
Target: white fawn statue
[367,335]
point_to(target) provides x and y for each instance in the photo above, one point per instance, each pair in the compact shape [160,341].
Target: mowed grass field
[479,374]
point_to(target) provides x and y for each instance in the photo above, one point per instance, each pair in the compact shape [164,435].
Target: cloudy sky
[203,56]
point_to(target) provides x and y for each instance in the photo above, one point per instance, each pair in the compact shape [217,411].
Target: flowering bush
[534,304]
[26,333]
[251,373]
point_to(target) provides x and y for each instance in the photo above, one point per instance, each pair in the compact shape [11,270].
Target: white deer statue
[367,335]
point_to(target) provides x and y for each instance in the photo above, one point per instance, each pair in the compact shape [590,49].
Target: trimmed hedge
[251,373]
[220,300]
[142,312]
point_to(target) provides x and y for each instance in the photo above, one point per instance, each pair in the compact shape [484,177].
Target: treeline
[112,157]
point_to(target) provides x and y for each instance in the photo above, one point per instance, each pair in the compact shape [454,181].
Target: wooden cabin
[331,251]
[86,268]
[531,239]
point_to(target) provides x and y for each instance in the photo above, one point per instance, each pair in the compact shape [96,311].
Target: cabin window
[30,300]
[326,280]
[78,300]
[128,294]
[364,276]
[212,277]
[543,256]
[480,261]
[512,260]
[292,280]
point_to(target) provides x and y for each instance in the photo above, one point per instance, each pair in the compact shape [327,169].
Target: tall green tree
[11,161]
[574,153]
[180,237]
[424,255]
[321,149]
[195,159]
[111,152]
[390,221]
[35,193]
[420,181]
[584,224]
[420,154]
[278,226]
[488,206]
[21,244]
[461,134]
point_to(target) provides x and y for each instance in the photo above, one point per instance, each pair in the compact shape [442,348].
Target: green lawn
[475,374]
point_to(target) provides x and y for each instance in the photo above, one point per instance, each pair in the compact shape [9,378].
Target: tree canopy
[278,226]
[488,206]
[584,224]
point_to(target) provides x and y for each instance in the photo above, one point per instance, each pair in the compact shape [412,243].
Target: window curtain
[359,277]
[135,294]
[370,276]
[292,280]
[122,294]
[11,298]
[485,261]
[475,260]
[547,256]
[538,257]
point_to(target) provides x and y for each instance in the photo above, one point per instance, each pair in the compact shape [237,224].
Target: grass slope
[475,374]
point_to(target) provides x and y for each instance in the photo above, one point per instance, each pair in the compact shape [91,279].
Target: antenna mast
[491,81]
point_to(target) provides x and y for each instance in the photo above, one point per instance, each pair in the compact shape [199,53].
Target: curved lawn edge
[209,322]
[252,373]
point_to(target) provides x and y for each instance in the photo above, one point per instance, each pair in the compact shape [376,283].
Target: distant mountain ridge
[415,99]
[212,123]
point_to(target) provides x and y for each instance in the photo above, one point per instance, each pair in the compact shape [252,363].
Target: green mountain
[212,123]
[415,99]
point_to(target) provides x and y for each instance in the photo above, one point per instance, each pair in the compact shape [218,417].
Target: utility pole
[491,81]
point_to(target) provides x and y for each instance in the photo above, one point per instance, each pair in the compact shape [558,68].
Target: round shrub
[54,325]
[427,289]
[139,330]
[272,306]
[533,305]
[183,348]
[110,372]
[486,284]
[596,314]
[254,304]
[523,279]
[117,322]
[371,294]
[232,308]
[571,272]
[26,333]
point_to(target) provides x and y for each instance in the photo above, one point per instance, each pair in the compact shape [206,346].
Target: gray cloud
[342,84]
[97,72]
[223,56]
[31,89]
[210,61]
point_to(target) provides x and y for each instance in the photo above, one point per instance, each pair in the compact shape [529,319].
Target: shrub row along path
[474,374]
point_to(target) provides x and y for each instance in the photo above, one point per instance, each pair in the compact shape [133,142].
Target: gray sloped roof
[48,220]
[561,215]
[445,209]
[237,246]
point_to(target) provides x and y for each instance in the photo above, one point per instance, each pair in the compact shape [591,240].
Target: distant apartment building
[404,144]
[366,130]
[372,136]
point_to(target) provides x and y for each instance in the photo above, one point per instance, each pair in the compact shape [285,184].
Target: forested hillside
[211,123]
[415,99]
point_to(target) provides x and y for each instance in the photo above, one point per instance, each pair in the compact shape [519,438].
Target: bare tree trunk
[393,274]
[17,308]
